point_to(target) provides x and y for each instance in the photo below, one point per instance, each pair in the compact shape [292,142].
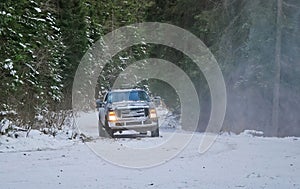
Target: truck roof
[125,90]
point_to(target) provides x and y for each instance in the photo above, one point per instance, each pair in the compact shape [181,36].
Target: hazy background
[256,43]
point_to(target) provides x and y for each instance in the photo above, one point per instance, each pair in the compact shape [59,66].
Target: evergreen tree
[72,22]
[31,52]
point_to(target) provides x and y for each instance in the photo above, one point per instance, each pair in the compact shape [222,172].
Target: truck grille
[133,112]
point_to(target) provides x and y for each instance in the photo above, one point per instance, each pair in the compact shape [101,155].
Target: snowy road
[234,161]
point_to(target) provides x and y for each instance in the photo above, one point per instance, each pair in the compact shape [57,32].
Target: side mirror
[157,101]
[99,103]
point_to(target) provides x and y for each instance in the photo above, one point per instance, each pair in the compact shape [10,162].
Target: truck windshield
[127,96]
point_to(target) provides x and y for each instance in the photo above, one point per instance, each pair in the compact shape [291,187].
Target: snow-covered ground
[234,161]
[35,141]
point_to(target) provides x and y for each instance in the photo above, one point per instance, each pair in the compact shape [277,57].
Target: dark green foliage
[72,22]
[31,52]
[255,42]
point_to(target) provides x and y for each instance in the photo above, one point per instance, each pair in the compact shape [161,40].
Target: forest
[256,44]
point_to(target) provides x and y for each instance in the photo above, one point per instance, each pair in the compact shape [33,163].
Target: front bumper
[136,125]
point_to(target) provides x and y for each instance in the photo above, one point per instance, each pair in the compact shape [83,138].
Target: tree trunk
[276,92]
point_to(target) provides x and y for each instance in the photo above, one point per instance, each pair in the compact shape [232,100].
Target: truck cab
[127,109]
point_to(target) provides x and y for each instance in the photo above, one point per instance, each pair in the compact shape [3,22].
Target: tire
[108,130]
[155,133]
[102,132]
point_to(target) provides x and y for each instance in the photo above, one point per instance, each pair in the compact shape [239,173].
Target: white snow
[234,161]
[38,9]
[8,60]
[54,87]
[35,141]
[39,117]
[13,72]
[4,123]
[123,58]
[55,28]
[8,66]
[8,112]
[24,46]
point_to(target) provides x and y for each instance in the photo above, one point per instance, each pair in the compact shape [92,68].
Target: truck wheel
[108,130]
[102,132]
[155,133]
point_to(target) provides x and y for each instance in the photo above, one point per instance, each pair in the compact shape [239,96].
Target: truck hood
[129,105]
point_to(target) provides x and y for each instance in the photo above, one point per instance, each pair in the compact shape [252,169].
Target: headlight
[112,116]
[153,113]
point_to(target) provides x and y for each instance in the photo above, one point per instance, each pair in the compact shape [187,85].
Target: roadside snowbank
[34,141]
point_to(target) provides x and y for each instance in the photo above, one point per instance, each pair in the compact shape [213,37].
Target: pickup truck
[127,109]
